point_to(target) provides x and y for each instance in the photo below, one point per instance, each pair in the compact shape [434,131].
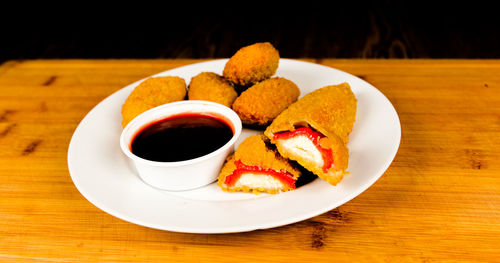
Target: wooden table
[439,200]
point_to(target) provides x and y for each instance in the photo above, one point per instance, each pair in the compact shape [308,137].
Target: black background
[306,29]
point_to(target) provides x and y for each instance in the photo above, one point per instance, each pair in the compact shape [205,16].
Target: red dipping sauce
[181,137]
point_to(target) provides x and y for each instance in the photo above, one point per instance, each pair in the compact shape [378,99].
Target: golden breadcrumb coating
[252,64]
[331,111]
[150,93]
[212,87]
[262,102]
[253,151]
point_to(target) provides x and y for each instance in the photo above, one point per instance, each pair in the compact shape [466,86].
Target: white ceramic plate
[103,174]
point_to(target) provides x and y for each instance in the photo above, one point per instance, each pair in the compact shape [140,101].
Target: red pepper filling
[241,168]
[314,136]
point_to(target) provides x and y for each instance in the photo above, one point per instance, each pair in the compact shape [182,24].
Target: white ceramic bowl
[181,175]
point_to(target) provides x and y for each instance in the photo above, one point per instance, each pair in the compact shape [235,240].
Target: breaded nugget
[262,102]
[255,167]
[252,64]
[212,87]
[314,131]
[152,92]
[329,110]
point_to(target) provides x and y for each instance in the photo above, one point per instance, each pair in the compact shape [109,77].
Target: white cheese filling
[302,146]
[258,180]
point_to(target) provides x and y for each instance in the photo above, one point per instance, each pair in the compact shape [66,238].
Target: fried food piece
[326,157]
[314,131]
[152,92]
[255,167]
[262,102]
[212,87]
[329,110]
[252,64]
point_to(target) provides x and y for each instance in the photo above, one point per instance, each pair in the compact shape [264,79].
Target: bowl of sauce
[181,145]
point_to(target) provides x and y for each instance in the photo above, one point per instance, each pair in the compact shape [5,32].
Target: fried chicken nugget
[150,93]
[314,131]
[255,167]
[212,87]
[262,102]
[252,64]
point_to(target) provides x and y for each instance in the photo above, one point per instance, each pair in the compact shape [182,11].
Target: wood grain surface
[438,201]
